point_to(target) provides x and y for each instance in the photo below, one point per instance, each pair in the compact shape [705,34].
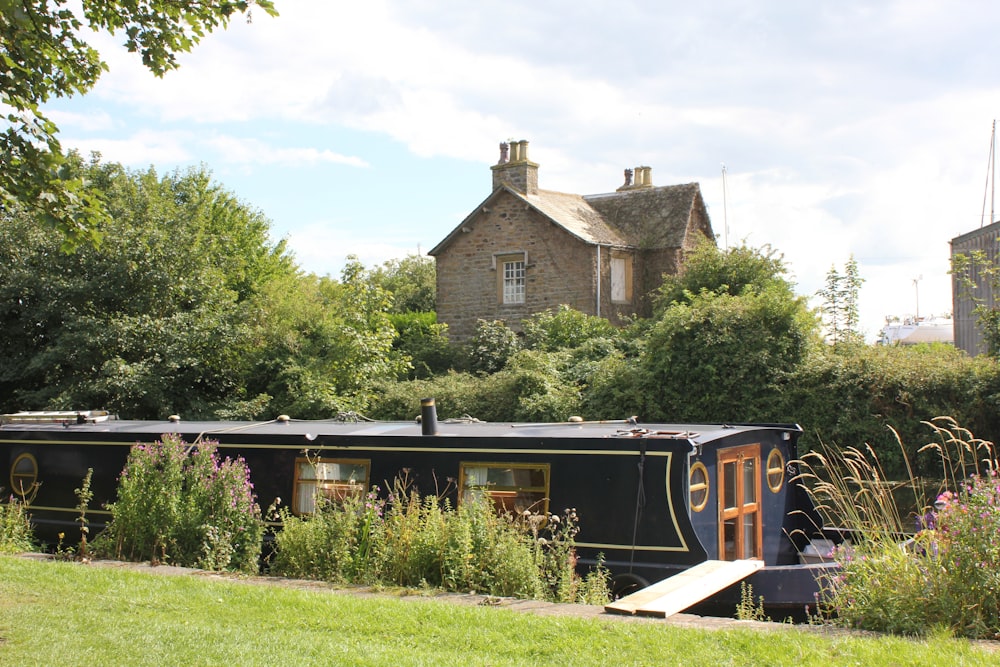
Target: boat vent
[57,417]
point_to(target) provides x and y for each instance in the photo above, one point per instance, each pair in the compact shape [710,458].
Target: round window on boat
[698,485]
[24,475]
[775,470]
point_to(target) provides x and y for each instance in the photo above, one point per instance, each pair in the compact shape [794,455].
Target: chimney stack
[643,179]
[517,172]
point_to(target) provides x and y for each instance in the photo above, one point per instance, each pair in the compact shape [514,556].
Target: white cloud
[323,247]
[253,151]
[88,122]
[847,129]
[141,149]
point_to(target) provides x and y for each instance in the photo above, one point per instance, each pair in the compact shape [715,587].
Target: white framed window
[514,279]
[512,276]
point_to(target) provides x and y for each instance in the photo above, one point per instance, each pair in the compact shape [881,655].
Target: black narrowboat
[654,499]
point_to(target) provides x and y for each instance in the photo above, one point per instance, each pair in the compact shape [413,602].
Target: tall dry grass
[934,564]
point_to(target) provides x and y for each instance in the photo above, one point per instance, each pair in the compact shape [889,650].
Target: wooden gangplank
[677,593]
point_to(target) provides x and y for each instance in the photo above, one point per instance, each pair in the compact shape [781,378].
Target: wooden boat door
[740,510]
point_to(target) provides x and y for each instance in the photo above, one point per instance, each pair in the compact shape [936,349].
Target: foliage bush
[184,505]
[723,358]
[16,534]
[855,395]
[533,386]
[455,394]
[738,270]
[425,343]
[491,346]
[565,328]
[948,574]
[409,540]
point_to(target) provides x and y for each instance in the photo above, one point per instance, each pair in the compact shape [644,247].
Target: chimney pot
[428,417]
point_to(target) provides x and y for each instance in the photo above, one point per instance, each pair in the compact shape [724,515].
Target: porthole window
[775,470]
[698,485]
[24,475]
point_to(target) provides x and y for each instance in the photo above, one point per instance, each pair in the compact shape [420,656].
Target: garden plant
[184,505]
[935,567]
[411,540]
[15,527]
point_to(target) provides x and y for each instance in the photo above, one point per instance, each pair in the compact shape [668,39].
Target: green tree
[425,342]
[45,55]
[326,344]
[161,317]
[724,353]
[731,271]
[841,317]
[411,281]
[977,278]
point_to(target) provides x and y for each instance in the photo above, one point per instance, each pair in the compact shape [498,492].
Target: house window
[513,281]
[621,278]
[331,479]
[513,487]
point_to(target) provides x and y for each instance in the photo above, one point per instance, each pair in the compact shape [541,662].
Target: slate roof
[650,217]
[655,217]
[575,215]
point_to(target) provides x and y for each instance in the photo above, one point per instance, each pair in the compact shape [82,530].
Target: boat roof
[311,429]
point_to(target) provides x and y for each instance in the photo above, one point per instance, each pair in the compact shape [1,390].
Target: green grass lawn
[70,614]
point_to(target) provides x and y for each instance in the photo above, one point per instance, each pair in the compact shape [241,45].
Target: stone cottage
[524,250]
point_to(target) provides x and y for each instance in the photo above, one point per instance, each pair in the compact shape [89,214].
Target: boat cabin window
[513,487]
[698,486]
[775,470]
[329,479]
[740,510]
[24,475]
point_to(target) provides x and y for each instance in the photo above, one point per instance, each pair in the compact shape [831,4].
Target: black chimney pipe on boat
[428,417]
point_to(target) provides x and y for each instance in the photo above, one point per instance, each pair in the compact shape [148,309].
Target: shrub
[187,506]
[964,547]
[455,395]
[410,540]
[947,574]
[565,328]
[424,342]
[491,346]
[15,527]
[724,357]
[853,394]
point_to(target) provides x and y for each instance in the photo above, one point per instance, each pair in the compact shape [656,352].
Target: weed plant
[411,540]
[187,506]
[748,608]
[935,569]
[16,534]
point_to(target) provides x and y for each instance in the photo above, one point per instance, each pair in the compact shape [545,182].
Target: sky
[368,128]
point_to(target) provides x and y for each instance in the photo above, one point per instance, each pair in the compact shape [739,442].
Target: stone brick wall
[560,268]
